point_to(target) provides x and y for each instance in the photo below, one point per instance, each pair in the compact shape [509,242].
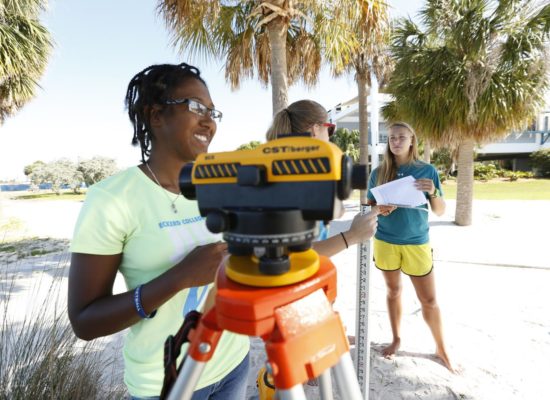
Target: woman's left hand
[425,185]
[362,227]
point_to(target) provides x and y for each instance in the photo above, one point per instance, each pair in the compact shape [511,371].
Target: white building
[514,149]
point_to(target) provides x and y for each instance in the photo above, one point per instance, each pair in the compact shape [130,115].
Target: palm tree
[281,41]
[369,25]
[477,71]
[25,45]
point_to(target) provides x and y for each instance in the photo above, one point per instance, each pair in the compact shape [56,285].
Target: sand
[492,282]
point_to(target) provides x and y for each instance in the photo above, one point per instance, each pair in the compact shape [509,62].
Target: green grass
[529,189]
[51,196]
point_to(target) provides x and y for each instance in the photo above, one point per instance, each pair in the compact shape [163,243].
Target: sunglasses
[198,108]
[331,128]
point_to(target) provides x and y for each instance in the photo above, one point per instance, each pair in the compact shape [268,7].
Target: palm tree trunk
[465,183]
[362,90]
[427,151]
[279,86]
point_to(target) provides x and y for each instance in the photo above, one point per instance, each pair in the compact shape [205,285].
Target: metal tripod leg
[294,393]
[325,385]
[204,340]
[187,380]
[346,379]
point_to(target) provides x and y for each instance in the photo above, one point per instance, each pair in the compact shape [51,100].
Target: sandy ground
[492,282]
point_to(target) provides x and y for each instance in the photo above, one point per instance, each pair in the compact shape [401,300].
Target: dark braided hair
[153,85]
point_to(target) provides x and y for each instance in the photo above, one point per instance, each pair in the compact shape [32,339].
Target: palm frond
[240,58]
[303,58]
[480,79]
[366,25]
[262,53]
[25,46]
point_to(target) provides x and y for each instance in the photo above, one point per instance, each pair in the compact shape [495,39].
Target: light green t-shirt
[128,213]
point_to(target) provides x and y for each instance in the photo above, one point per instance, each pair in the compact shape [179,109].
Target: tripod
[303,336]
[262,199]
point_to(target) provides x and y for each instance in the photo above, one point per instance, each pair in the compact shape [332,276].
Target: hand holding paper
[400,192]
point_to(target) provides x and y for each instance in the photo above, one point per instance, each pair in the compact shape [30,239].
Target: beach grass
[41,356]
[30,247]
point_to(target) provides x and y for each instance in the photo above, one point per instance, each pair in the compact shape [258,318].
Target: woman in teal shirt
[401,242]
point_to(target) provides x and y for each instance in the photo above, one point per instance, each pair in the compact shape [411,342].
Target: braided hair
[153,85]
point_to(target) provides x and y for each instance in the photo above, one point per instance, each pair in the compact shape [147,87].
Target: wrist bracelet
[137,304]
[345,241]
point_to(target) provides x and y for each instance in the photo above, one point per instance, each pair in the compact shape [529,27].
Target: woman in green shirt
[137,223]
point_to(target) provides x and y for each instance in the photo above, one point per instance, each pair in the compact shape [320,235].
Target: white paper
[400,192]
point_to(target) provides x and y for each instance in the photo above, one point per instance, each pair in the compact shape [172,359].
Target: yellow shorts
[412,259]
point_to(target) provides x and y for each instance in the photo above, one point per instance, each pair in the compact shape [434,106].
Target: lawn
[525,189]
[46,195]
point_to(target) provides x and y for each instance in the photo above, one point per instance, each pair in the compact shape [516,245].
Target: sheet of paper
[400,192]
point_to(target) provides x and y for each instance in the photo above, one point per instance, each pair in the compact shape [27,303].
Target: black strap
[172,350]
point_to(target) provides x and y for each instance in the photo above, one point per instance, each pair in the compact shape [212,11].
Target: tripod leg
[204,341]
[346,379]
[325,385]
[294,393]
[187,380]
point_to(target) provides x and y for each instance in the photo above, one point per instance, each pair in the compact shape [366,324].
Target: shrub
[484,172]
[347,141]
[513,176]
[525,174]
[541,162]
[442,158]
[249,146]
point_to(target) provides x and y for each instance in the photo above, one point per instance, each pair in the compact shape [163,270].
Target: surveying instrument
[267,202]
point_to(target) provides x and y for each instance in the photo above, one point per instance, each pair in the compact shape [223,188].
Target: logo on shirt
[179,222]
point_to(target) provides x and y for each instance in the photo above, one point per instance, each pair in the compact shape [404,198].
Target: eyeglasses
[198,108]
[331,128]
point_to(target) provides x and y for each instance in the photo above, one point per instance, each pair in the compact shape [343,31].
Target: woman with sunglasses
[308,116]
[138,223]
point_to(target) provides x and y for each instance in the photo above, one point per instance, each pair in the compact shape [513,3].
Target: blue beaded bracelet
[137,303]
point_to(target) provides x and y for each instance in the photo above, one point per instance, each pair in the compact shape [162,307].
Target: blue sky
[99,45]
